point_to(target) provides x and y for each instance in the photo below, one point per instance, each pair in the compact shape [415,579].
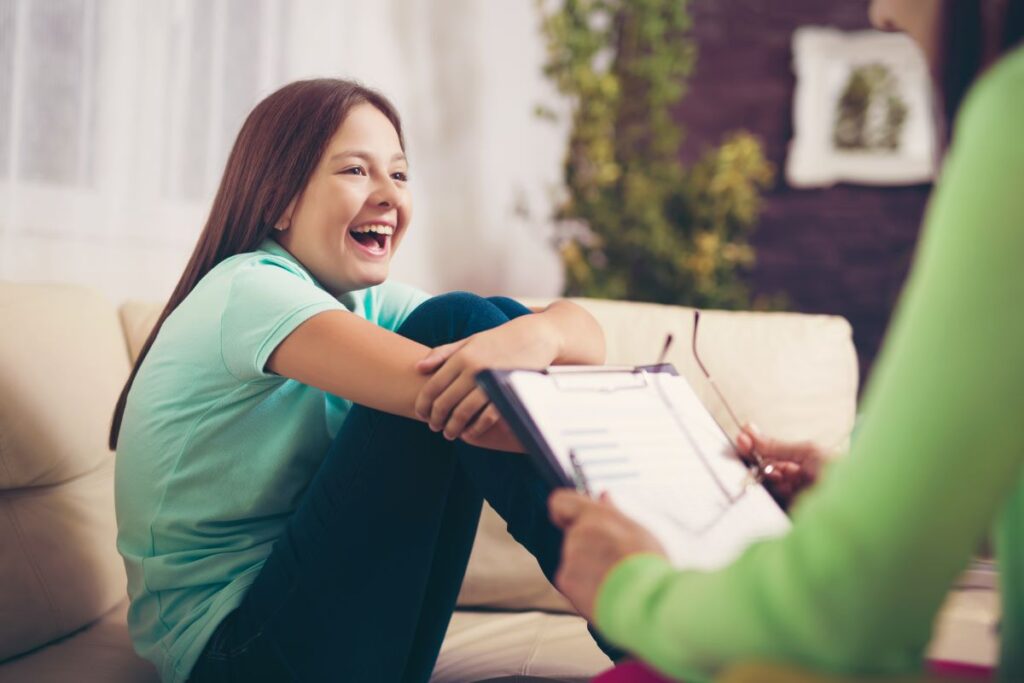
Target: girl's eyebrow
[364,155]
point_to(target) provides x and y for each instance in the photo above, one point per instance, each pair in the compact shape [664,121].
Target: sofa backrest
[795,375]
[62,364]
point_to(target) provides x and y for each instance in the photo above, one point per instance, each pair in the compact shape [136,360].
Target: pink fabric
[960,670]
[630,672]
[635,672]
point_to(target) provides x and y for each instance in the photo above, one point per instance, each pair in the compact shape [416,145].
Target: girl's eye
[400,175]
[355,170]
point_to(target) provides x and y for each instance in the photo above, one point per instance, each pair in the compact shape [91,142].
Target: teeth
[379,229]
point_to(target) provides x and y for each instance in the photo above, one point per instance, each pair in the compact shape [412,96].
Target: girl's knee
[449,317]
[510,307]
[453,305]
[457,301]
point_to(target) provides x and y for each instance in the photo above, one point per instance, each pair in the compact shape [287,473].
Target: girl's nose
[385,194]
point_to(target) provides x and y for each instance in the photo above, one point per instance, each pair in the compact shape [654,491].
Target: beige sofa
[65,352]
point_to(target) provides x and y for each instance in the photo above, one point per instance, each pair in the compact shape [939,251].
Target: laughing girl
[302,453]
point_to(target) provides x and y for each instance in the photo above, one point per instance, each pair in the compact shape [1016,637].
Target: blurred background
[619,149]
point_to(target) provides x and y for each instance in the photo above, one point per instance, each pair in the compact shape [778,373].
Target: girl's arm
[581,337]
[560,334]
[348,356]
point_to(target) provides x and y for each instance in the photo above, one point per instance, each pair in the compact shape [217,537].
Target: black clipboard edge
[496,385]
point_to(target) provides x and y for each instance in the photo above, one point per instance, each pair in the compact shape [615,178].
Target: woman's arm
[855,585]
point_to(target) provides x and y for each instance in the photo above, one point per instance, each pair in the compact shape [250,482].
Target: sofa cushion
[527,646]
[62,364]
[137,321]
[101,652]
[486,646]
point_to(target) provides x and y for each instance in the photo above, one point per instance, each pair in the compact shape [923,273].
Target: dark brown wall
[842,250]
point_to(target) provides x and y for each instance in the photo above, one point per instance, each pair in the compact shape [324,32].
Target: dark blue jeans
[362,583]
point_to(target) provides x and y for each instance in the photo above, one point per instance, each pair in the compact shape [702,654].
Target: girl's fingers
[445,404]
[487,418]
[463,413]
[437,356]
[435,387]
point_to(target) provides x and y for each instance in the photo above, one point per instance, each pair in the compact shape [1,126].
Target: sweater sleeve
[855,585]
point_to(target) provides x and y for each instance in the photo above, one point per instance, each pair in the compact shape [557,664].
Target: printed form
[646,439]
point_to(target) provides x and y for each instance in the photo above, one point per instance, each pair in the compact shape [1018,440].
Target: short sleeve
[392,302]
[268,298]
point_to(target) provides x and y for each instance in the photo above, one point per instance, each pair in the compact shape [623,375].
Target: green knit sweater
[856,584]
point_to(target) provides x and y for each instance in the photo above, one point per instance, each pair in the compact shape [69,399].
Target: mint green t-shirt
[215,451]
[854,587]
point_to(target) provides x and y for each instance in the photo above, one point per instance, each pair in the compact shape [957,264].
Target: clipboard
[675,472]
[497,385]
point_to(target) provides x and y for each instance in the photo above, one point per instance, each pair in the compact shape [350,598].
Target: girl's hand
[597,537]
[497,437]
[451,401]
[795,465]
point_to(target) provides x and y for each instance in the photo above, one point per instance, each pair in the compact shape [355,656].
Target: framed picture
[862,111]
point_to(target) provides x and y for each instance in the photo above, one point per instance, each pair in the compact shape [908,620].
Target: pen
[580,478]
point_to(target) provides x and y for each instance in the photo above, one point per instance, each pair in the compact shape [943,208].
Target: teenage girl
[301,449]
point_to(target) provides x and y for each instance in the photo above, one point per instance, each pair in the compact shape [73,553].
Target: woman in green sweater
[855,585]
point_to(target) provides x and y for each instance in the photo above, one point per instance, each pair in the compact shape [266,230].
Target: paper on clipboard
[672,470]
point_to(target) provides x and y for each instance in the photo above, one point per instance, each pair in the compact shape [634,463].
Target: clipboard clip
[570,377]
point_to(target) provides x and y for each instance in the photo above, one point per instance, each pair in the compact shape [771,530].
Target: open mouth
[374,238]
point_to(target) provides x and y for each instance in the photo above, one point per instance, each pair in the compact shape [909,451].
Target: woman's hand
[597,537]
[451,401]
[795,466]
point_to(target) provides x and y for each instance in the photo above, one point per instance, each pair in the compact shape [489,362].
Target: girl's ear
[285,221]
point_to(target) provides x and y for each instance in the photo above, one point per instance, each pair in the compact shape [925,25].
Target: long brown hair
[974,34]
[275,153]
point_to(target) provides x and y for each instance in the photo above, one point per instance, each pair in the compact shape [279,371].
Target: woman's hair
[973,34]
[275,153]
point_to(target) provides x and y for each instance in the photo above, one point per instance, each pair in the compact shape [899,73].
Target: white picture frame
[862,110]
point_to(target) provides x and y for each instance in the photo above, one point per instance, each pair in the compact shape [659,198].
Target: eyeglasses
[756,466]
[756,463]
[758,469]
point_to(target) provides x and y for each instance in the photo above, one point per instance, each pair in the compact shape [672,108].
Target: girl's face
[347,222]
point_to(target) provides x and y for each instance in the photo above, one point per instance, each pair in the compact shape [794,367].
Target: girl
[301,449]
[939,458]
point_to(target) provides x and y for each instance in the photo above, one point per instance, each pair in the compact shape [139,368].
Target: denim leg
[339,596]
[512,485]
[517,492]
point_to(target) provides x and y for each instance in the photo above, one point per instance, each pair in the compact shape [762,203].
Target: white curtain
[116,118]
